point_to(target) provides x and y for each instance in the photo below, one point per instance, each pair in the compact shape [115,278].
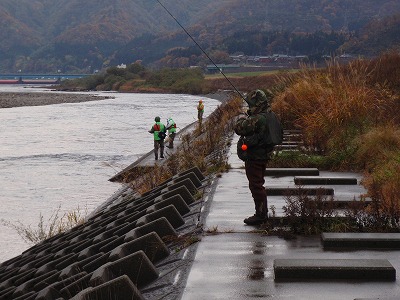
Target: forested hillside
[377,36]
[81,36]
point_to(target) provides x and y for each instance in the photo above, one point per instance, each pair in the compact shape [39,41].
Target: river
[60,157]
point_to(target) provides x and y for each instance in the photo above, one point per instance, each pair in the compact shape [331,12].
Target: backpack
[162,135]
[266,139]
[274,136]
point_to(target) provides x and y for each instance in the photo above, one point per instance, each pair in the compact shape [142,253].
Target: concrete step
[287,146]
[333,240]
[287,142]
[287,191]
[345,203]
[380,298]
[281,172]
[292,137]
[292,131]
[334,269]
[313,180]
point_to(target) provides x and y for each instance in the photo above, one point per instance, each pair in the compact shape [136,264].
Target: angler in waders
[260,131]
[171,127]
[158,131]
[200,111]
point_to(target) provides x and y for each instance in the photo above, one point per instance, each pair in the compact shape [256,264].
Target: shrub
[44,230]
[310,214]
[377,146]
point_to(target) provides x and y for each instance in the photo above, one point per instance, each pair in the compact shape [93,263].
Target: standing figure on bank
[171,127]
[158,131]
[200,111]
[260,131]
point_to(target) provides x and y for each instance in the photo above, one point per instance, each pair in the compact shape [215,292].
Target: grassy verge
[349,118]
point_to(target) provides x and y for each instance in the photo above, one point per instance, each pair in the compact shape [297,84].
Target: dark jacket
[260,132]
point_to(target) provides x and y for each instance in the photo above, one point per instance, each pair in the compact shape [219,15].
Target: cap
[257,98]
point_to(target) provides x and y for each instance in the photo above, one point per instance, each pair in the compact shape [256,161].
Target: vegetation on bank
[349,117]
[139,79]
[136,78]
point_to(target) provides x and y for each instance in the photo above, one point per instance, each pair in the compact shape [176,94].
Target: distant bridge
[37,78]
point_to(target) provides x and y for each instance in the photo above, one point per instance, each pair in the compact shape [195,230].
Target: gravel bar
[8,100]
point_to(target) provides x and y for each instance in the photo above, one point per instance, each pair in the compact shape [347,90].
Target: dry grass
[334,105]
[54,225]
[350,114]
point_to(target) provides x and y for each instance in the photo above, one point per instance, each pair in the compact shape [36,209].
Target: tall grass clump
[45,229]
[335,105]
[379,151]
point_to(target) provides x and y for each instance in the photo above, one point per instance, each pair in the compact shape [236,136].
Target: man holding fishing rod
[259,132]
[200,111]
[158,130]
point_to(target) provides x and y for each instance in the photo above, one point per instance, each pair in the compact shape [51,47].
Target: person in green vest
[158,131]
[200,111]
[171,127]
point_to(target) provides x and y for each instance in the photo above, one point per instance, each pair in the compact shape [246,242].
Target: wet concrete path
[234,262]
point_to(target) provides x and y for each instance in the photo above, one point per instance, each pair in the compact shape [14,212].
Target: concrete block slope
[120,288]
[115,250]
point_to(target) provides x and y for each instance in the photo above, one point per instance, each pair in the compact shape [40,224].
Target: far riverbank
[18,99]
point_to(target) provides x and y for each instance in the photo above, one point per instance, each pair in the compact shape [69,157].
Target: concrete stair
[319,180]
[281,172]
[334,269]
[342,269]
[310,182]
[373,240]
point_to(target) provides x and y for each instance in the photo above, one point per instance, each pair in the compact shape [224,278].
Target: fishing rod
[125,123]
[202,50]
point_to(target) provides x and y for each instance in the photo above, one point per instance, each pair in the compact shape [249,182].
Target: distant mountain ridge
[48,34]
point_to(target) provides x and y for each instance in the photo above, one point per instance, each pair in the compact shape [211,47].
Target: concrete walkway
[234,262]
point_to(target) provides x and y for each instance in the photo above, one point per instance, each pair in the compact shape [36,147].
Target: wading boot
[256,220]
